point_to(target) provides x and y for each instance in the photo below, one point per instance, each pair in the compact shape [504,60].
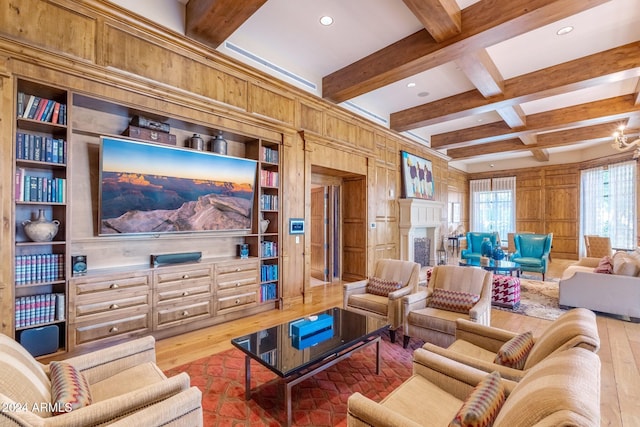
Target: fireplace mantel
[420,218]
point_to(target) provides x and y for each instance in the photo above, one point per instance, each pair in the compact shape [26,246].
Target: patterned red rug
[318,401]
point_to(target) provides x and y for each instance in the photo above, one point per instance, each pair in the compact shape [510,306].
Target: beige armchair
[561,390]
[477,345]
[125,384]
[598,246]
[358,296]
[427,318]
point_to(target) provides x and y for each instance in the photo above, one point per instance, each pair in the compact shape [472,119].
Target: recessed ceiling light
[564,30]
[326,20]
[412,84]
[423,94]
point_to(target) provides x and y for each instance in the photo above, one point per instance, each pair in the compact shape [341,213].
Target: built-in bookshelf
[40,195]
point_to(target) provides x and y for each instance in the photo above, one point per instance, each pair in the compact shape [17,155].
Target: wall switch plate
[372,225]
[297,239]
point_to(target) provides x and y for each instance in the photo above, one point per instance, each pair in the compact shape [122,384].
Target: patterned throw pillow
[458,301]
[69,388]
[382,287]
[604,266]
[482,405]
[514,352]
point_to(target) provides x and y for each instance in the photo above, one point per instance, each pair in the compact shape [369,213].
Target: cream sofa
[617,293]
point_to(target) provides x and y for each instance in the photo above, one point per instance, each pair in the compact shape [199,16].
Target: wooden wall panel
[340,129]
[156,62]
[7,303]
[53,27]
[310,118]
[271,103]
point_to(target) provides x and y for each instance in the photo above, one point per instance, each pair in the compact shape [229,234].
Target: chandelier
[621,141]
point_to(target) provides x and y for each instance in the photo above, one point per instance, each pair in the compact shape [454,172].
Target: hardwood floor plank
[626,373]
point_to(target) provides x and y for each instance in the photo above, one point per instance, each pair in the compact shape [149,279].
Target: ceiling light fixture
[412,84]
[621,142]
[326,20]
[564,30]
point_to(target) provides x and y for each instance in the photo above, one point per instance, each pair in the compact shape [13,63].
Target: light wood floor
[619,353]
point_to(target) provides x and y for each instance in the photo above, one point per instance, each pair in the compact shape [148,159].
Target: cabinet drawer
[236,301]
[114,305]
[237,282]
[174,290]
[237,267]
[180,275]
[83,334]
[183,313]
[86,286]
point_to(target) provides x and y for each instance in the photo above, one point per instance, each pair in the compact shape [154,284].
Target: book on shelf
[41,109]
[34,310]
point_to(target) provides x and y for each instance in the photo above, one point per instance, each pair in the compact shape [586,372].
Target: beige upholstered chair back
[575,328]
[464,279]
[22,378]
[406,272]
[597,246]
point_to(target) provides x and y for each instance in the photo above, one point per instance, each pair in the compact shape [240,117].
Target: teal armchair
[474,240]
[532,252]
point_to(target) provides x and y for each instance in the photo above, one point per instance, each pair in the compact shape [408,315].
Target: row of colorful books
[269,202]
[39,268]
[38,188]
[268,291]
[268,249]
[268,272]
[41,148]
[269,155]
[40,309]
[268,178]
[41,109]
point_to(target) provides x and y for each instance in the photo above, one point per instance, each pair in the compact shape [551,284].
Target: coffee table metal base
[298,377]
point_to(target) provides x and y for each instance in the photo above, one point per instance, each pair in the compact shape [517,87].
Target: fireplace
[420,221]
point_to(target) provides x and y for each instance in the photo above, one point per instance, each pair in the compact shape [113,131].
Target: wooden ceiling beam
[513,116]
[483,72]
[212,21]
[579,115]
[441,18]
[485,23]
[540,155]
[595,133]
[616,64]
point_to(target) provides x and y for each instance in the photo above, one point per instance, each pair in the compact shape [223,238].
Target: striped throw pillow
[69,388]
[514,352]
[482,405]
[447,299]
[382,287]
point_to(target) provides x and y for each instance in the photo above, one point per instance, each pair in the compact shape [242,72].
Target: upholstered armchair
[562,390]
[532,252]
[474,240]
[453,292]
[598,246]
[118,385]
[381,295]
[483,347]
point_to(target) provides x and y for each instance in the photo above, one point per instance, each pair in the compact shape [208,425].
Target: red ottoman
[505,291]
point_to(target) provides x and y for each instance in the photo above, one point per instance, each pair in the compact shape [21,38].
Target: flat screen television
[148,188]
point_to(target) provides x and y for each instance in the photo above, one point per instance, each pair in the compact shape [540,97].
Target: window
[608,204]
[493,206]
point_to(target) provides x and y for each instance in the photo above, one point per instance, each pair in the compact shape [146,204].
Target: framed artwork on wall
[417,177]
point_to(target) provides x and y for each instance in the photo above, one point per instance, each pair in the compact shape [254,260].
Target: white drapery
[493,205]
[608,202]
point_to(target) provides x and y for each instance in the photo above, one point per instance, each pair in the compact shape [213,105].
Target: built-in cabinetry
[121,296]
[40,260]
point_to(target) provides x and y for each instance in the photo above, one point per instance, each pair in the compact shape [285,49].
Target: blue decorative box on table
[309,332]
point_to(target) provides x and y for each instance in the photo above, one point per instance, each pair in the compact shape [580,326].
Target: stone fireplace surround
[420,218]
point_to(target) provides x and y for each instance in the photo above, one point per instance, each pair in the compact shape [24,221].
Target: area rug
[318,401]
[538,299]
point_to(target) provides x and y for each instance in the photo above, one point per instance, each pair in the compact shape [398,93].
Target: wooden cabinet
[105,307]
[182,295]
[39,192]
[236,285]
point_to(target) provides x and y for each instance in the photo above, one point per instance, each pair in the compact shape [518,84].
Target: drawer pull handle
[186,276]
[237,284]
[114,329]
[114,306]
[237,301]
[238,269]
[185,313]
[185,293]
[114,286]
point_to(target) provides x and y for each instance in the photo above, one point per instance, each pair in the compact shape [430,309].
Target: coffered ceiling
[490,83]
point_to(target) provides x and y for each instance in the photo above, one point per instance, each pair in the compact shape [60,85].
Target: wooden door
[319,233]
[354,229]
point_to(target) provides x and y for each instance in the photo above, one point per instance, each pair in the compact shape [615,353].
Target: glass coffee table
[495,266]
[301,348]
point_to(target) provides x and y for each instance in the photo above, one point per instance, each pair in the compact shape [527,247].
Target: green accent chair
[474,240]
[532,252]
